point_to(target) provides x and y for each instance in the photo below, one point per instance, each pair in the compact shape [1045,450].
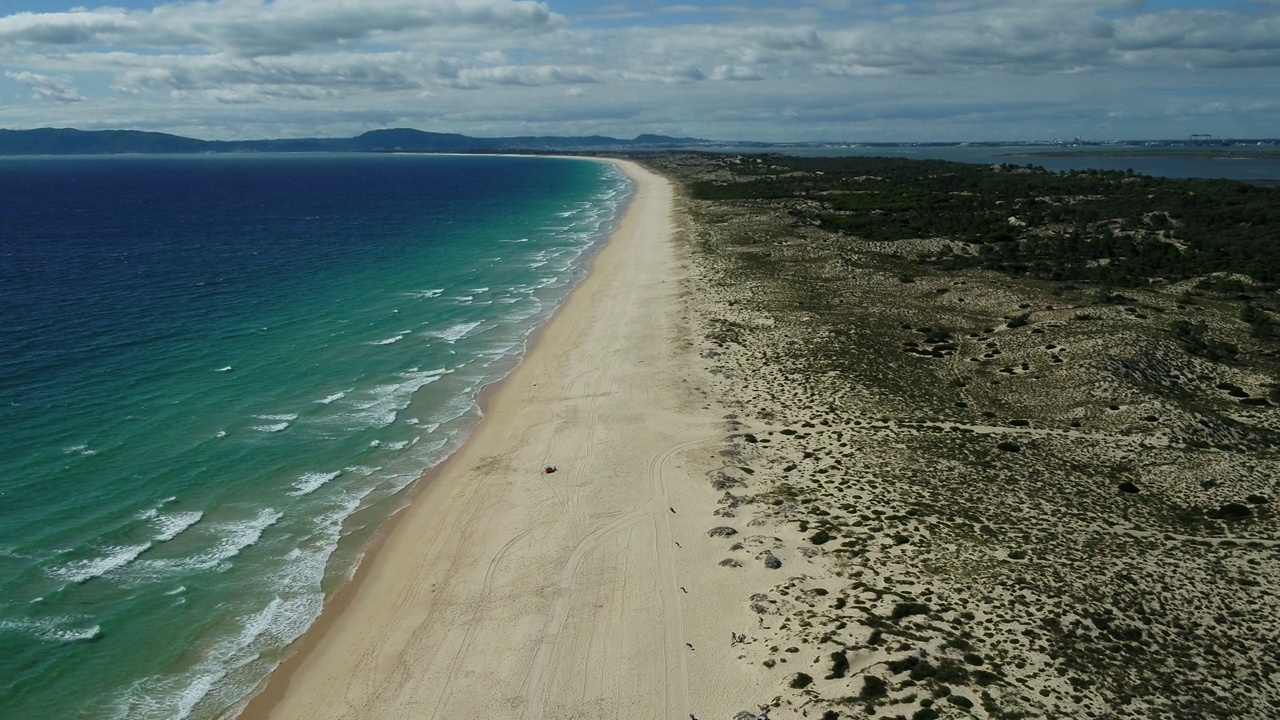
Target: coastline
[501,591]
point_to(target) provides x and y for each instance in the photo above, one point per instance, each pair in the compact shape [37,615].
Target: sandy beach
[507,592]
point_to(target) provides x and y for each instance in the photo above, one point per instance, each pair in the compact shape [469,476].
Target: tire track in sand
[534,685]
[464,648]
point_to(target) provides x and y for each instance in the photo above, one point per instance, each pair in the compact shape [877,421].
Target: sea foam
[456,332]
[380,405]
[392,339]
[312,481]
[232,538]
[171,525]
[52,629]
[283,424]
[437,292]
[78,571]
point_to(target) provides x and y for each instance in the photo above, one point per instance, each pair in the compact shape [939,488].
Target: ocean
[219,374]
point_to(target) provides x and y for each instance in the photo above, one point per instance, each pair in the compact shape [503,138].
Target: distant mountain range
[67,141]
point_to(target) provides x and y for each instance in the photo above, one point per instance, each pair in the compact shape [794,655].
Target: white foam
[220,434]
[515,241]
[396,483]
[453,409]
[312,481]
[234,537]
[437,292]
[330,398]
[463,299]
[78,571]
[392,339]
[286,416]
[479,290]
[455,333]
[519,316]
[224,369]
[240,535]
[385,401]
[172,525]
[79,450]
[52,629]
[215,681]
[273,428]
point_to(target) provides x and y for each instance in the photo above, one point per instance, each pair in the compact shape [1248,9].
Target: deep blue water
[218,373]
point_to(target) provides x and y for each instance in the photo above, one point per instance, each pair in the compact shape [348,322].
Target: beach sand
[592,592]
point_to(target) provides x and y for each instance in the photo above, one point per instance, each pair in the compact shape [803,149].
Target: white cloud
[822,68]
[257,27]
[44,87]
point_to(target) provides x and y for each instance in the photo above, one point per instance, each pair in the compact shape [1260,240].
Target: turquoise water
[220,373]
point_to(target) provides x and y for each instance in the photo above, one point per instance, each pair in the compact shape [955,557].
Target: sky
[766,70]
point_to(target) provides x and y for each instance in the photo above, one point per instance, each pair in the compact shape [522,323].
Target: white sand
[508,593]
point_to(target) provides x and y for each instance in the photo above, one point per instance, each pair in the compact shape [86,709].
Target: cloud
[352,71]
[527,75]
[256,27]
[734,72]
[710,68]
[44,87]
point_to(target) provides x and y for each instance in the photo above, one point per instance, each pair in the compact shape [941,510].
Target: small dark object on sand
[671,509]
[550,469]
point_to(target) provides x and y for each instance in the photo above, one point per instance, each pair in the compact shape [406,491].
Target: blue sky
[845,70]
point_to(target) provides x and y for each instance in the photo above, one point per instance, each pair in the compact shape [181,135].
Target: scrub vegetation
[1012,434]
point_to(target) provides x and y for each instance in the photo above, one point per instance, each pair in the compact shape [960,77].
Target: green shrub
[907,609]
[873,687]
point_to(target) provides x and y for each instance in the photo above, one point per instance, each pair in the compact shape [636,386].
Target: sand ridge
[507,592]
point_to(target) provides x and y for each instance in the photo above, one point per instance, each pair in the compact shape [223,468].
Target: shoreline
[501,591]
[270,692]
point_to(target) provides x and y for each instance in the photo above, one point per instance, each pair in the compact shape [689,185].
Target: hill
[69,141]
